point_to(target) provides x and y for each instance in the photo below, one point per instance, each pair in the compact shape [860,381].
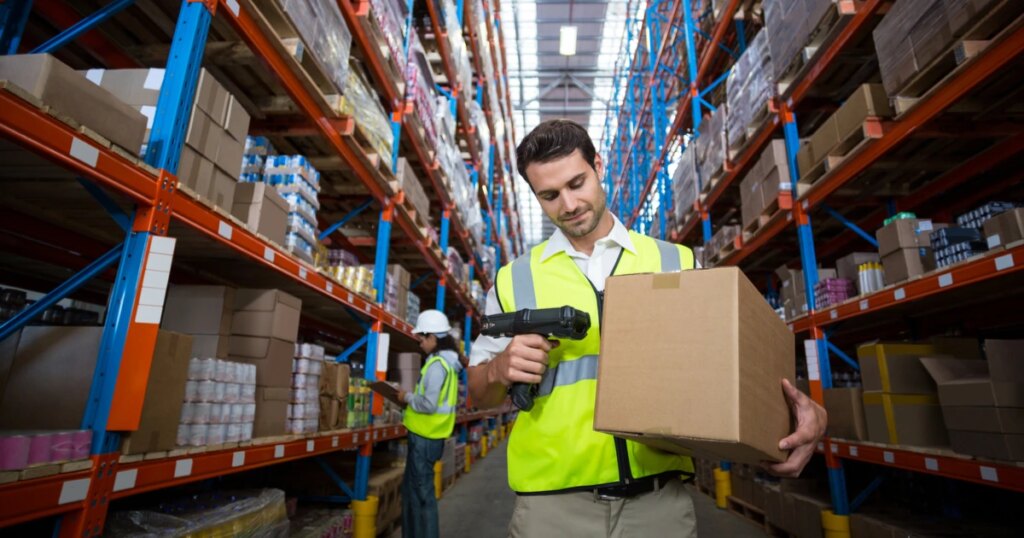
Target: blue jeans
[419,505]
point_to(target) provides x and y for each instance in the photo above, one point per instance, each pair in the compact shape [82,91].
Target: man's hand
[524,360]
[401,395]
[811,420]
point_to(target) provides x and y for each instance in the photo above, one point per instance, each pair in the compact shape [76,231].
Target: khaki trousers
[663,513]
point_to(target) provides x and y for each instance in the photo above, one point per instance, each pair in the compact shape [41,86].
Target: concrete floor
[480,505]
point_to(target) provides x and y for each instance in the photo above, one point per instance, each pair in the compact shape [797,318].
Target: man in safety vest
[430,419]
[571,480]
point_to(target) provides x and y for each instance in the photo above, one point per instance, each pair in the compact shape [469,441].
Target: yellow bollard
[366,517]
[723,488]
[469,458]
[835,526]
[483,447]
[438,469]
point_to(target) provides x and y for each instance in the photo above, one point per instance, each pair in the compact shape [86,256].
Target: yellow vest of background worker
[554,447]
[438,425]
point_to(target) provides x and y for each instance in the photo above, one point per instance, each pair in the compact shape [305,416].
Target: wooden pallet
[830,26]
[872,128]
[993,24]
[762,116]
[43,470]
[750,513]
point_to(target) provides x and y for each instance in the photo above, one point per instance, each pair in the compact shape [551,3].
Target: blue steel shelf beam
[13,18]
[83,26]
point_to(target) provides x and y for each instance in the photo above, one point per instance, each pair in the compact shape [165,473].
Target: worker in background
[430,419]
[571,480]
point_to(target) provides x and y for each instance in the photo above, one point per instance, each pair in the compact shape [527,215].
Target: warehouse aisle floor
[480,505]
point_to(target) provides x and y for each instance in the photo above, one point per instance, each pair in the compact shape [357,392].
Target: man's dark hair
[552,140]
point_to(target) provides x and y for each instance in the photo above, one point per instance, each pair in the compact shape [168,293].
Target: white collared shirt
[597,266]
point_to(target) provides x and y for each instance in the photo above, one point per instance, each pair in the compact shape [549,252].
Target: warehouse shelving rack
[999,267]
[149,207]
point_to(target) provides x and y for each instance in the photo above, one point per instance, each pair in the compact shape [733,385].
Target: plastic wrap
[391,21]
[420,87]
[252,514]
[361,103]
[789,25]
[457,44]
[748,89]
[906,25]
[324,32]
[711,145]
[684,184]
[412,309]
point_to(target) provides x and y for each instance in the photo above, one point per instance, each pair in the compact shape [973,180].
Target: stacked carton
[299,184]
[794,293]
[748,89]
[220,403]
[767,178]
[845,407]
[414,194]
[1004,228]
[711,147]
[789,24]
[412,308]
[334,381]
[901,404]
[205,313]
[905,248]
[983,401]
[304,409]
[407,371]
[685,185]
[264,329]
[218,124]
[848,267]
[325,34]
[836,136]
[69,94]
[396,290]
[262,210]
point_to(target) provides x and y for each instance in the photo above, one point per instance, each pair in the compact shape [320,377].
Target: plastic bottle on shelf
[879,276]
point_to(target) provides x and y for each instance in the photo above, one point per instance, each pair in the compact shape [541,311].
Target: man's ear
[599,166]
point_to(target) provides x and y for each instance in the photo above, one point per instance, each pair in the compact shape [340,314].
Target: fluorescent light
[567,41]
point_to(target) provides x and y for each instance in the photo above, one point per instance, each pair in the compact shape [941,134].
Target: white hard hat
[433,322]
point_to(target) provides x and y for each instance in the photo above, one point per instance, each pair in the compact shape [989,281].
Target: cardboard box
[845,408]
[413,189]
[229,155]
[271,411]
[195,171]
[983,419]
[868,100]
[902,234]
[846,267]
[968,383]
[198,132]
[751,203]
[1000,446]
[773,507]
[222,190]
[825,139]
[895,367]
[135,87]
[916,419]
[269,313]
[334,379]
[272,357]
[902,264]
[1005,228]
[397,272]
[211,97]
[210,346]
[737,351]
[70,94]
[262,210]
[1004,359]
[236,120]
[199,309]
[165,392]
[805,159]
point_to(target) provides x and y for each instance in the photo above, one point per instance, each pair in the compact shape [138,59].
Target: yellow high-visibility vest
[440,423]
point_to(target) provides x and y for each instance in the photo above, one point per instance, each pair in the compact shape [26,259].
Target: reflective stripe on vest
[554,446]
[440,423]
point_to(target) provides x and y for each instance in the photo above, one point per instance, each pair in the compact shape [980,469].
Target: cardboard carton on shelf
[46,373]
[222,190]
[1005,228]
[847,266]
[71,94]
[236,120]
[895,367]
[199,309]
[272,357]
[902,264]
[868,100]
[262,210]
[271,411]
[904,419]
[903,234]
[738,350]
[266,313]
[195,171]
[845,407]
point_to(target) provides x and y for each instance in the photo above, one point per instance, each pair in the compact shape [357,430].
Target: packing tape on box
[665,281]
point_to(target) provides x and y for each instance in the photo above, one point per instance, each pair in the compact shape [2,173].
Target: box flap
[264,300]
[944,370]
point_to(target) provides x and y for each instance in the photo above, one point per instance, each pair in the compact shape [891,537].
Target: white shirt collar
[560,243]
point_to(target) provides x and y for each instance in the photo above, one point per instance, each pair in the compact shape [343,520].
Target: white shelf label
[74,491]
[931,464]
[268,254]
[279,451]
[355,438]
[303,273]
[899,294]
[330,288]
[834,448]
[125,479]
[994,241]
[811,350]
[183,468]
[945,280]
[238,459]
[224,229]
[854,451]
[310,445]
[334,442]
[349,294]
[375,434]
[233,7]
[1004,262]
[366,437]
[889,457]
[84,152]
[833,314]
[864,304]
[989,473]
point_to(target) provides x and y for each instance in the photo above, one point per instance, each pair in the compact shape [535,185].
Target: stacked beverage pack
[220,403]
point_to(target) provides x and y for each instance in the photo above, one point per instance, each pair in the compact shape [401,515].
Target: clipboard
[387,390]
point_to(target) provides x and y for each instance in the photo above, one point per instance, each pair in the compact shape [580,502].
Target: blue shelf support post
[13,17]
[82,26]
[446,216]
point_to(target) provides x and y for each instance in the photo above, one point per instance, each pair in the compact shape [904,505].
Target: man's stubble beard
[597,211]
